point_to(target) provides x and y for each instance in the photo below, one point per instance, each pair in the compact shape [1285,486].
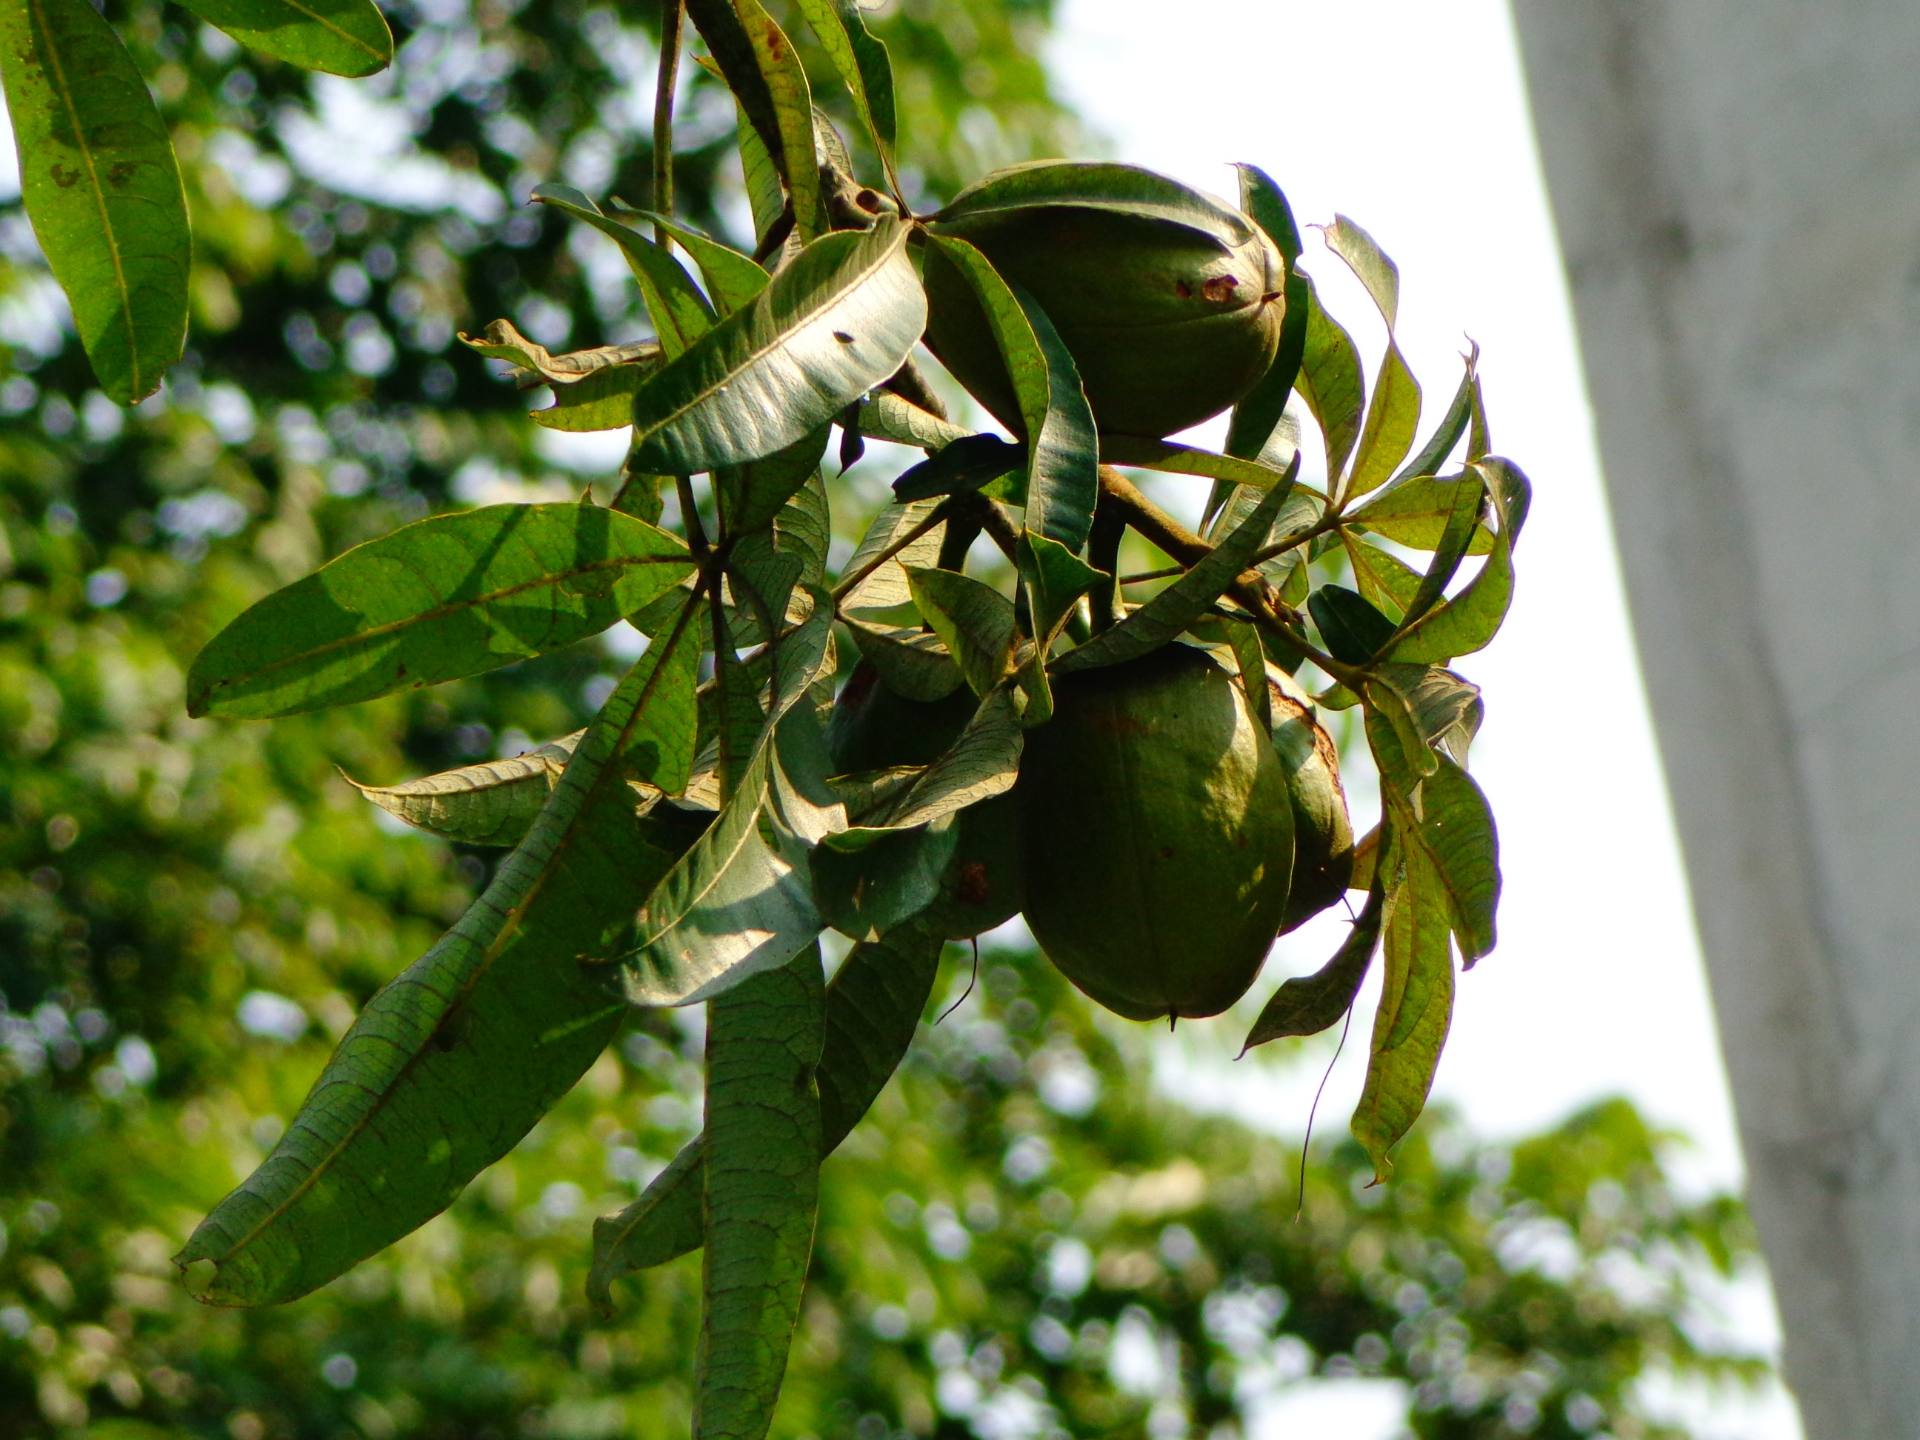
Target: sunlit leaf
[1331,382]
[1097,185]
[341,37]
[732,279]
[1442,818]
[1447,433]
[887,416]
[862,64]
[974,620]
[763,1187]
[833,324]
[880,585]
[502,341]
[1417,512]
[1469,621]
[1308,1004]
[1062,453]
[100,184]
[792,99]
[435,600]
[448,1066]
[493,802]
[680,313]
[1385,581]
[1169,456]
[1258,414]
[874,1003]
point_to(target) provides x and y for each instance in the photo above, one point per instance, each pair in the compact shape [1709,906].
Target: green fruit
[1168,322]
[1322,831]
[873,728]
[1159,835]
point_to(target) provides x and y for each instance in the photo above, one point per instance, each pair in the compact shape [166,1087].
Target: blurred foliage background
[1023,1239]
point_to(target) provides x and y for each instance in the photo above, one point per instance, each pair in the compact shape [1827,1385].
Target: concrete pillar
[1737,189]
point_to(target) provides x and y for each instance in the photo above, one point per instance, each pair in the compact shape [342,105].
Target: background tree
[191,912]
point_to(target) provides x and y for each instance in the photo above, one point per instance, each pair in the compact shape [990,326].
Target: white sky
[1411,119]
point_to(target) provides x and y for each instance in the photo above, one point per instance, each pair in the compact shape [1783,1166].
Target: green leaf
[1461,528]
[1416,1008]
[1331,382]
[738,903]
[838,320]
[441,598]
[982,762]
[883,584]
[763,1189]
[736,57]
[1392,421]
[1173,458]
[874,1003]
[501,341]
[1369,263]
[974,620]
[1095,185]
[766,197]
[100,184]
[451,1063]
[1448,432]
[1258,415]
[1055,578]
[1390,716]
[861,61]
[887,416]
[600,401]
[1385,581]
[792,99]
[732,279]
[341,37]
[1063,455]
[1417,512]
[1182,602]
[1308,1004]
[1470,620]
[886,883]
[751,495]
[493,802]
[680,313]
[970,462]
[1442,818]
[914,664]
[1353,629]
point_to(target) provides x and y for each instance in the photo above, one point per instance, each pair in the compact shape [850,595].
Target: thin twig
[664,85]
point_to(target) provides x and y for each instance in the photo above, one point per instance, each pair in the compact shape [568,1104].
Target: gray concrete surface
[1737,189]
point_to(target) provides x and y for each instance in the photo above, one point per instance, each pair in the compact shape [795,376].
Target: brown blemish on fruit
[1220,288]
[971,887]
[1183,290]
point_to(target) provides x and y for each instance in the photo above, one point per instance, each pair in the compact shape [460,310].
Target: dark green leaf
[1258,415]
[732,279]
[968,463]
[1417,512]
[341,37]
[1331,382]
[862,63]
[738,61]
[838,320]
[1308,1004]
[975,621]
[982,762]
[1416,1008]
[1353,630]
[1272,468]
[885,883]
[680,313]
[1470,620]
[1096,185]
[438,599]
[914,664]
[451,1064]
[792,98]
[874,1003]
[1063,455]
[99,181]
[763,1189]
[751,495]
[1055,578]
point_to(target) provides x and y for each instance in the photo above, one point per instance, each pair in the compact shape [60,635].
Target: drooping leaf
[861,61]
[738,903]
[493,802]
[101,186]
[1308,1004]
[738,61]
[502,341]
[1097,185]
[766,196]
[787,88]
[751,495]
[1177,606]
[914,664]
[732,279]
[968,463]
[1445,709]
[1258,414]
[1331,382]
[1390,718]
[450,1064]
[1416,1008]
[763,1188]
[1469,621]
[1271,468]
[887,883]
[1063,454]
[1385,581]
[340,37]
[878,585]
[982,762]
[1417,512]
[1451,548]
[680,313]
[874,1003]
[887,416]
[1447,433]
[1352,628]
[975,621]
[441,598]
[833,324]
[1370,265]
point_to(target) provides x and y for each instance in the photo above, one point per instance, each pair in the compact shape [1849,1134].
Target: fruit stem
[1188,548]
[664,83]
[1103,553]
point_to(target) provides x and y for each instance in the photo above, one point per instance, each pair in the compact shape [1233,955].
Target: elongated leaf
[1416,1008]
[970,462]
[1461,527]
[738,903]
[1096,185]
[833,324]
[501,341]
[1369,263]
[874,1003]
[1308,1004]
[880,585]
[792,98]
[763,1189]
[974,620]
[100,184]
[751,495]
[1450,829]
[1417,512]
[680,313]
[451,1064]
[732,279]
[982,762]
[1393,420]
[862,64]
[1055,579]
[1177,606]
[601,401]
[1173,458]
[493,802]
[887,883]
[766,196]
[1352,628]
[1469,621]
[915,665]
[738,62]
[887,416]
[1385,581]
[1063,455]
[340,37]
[1258,415]
[438,599]
[1447,433]
[1332,382]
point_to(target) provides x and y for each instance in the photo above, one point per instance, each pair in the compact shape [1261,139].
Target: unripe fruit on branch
[1168,322]
[1159,835]
[1322,829]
